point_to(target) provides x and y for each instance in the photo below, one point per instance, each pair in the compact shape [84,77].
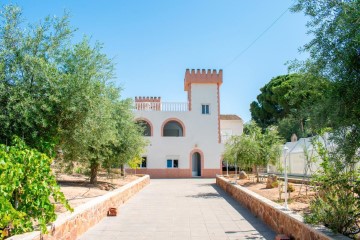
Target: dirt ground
[298,200]
[78,190]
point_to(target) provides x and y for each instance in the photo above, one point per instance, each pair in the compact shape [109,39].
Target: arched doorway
[196,164]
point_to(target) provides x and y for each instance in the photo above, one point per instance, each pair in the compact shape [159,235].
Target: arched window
[146,128]
[173,129]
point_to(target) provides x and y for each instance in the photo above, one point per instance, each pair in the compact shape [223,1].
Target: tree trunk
[122,170]
[235,173]
[302,128]
[257,174]
[94,167]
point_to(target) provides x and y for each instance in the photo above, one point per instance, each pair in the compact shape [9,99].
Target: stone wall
[280,220]
[70,226]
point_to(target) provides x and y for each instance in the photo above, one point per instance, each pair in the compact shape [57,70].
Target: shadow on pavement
[255,222]
[205,195]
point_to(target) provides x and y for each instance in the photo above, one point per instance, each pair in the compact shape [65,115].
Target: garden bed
[298,200]
[78,190]
[70,226]
[275,216]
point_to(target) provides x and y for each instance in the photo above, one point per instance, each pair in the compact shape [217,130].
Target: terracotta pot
[112,212]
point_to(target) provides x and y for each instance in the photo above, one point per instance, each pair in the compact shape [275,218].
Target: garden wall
[71,225]
[280,220]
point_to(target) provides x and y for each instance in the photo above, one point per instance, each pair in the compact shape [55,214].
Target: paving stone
[186,209]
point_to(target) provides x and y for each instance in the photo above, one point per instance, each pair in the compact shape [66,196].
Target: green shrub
[290,188]
[275,184]
[27,186]
[337,203]
[79,170]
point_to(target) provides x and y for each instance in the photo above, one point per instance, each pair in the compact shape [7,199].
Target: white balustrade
[162,106]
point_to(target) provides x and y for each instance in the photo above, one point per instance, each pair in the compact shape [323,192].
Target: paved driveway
[181,209]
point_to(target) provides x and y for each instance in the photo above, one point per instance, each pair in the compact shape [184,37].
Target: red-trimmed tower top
[202,77]
[199,96]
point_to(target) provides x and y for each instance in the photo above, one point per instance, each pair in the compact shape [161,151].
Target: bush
[337,203]
[290,188]
[78,170]
[275,184]
[336,206]
[27,186]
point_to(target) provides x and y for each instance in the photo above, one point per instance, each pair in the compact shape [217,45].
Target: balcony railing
[162,106]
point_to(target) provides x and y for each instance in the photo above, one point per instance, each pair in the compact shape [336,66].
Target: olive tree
[334,54]
[55,91]
[254,148]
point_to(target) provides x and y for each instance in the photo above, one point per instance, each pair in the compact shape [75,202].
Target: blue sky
[154,42]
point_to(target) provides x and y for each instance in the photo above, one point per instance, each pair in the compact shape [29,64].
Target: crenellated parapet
[202,76]
[148,103]
[147,99]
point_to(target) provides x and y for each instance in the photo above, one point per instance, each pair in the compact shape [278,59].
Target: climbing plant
[28,189]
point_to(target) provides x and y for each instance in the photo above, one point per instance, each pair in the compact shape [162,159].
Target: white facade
[230,125]
[197,151]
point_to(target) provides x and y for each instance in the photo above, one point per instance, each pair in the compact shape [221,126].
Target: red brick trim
[155,103]
[218,102]
[189,97]
[162,173]
[210,173]
[173,172]
[202,77]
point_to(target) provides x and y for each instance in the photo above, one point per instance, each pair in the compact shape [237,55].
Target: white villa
[186,139]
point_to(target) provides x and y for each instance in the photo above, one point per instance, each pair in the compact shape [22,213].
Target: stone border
[280,220]
[70,226]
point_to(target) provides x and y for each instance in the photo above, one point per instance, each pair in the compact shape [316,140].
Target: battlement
[202,77]
[147,99]
[148,103]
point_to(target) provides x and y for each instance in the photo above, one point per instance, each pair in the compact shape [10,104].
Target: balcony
[162,106]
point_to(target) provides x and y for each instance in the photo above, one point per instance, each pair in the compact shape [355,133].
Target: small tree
[135,163]
[240,150]
[267,144]
[254,148]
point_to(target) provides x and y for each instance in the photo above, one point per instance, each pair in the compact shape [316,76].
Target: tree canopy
[59,92]
[284,102]
[57,96]
[335,55]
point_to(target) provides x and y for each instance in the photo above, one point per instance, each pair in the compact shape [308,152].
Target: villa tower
[185,138]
